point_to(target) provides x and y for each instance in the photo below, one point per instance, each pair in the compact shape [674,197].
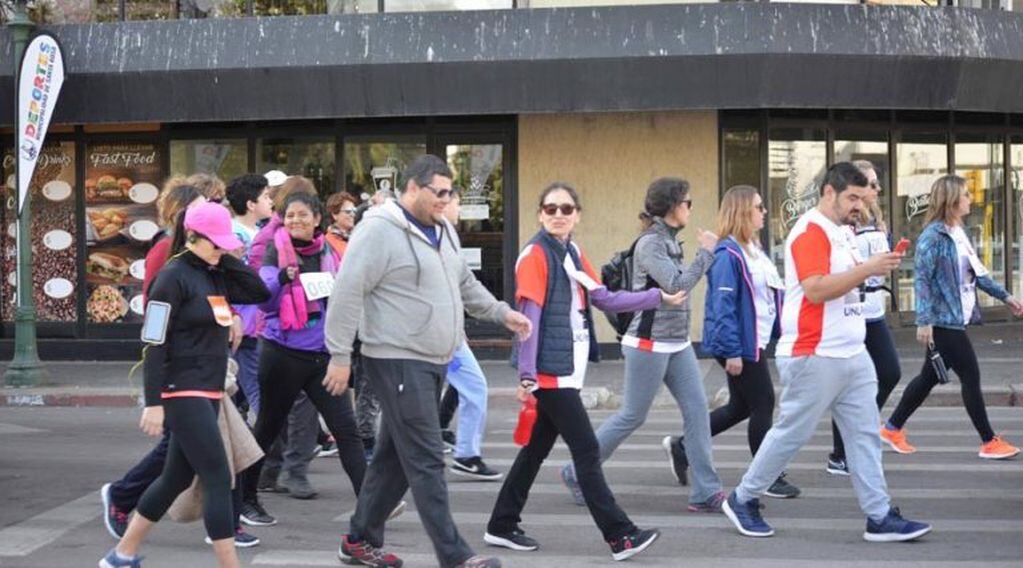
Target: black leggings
[881,349]
[957,351]
[195,448]
[560,411]
[283,372]
[750,395]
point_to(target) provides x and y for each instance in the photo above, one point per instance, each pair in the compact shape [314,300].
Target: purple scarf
[295,308]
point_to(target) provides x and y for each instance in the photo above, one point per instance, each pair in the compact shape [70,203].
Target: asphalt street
[53,461]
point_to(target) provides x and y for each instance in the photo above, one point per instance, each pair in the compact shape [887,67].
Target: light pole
[25,369]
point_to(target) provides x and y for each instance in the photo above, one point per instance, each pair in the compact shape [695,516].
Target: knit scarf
[295,307]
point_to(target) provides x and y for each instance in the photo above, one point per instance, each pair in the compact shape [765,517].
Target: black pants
[448,405]
[881,349]
[957,351]
[195,448]
[750,395]
[283,373]
[560,411]
[408,454]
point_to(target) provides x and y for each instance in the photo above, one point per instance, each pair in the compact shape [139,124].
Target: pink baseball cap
[212,221]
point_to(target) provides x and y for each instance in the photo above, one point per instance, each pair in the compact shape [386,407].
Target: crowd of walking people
[341,322]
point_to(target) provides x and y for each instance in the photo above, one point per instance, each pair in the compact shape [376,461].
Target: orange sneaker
[997,449]
[897,440]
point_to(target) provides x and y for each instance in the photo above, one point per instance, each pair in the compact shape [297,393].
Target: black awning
[732,55]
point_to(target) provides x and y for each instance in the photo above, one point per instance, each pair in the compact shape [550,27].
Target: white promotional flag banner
[42,76]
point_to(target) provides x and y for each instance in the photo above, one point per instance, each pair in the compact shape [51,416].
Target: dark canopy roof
[729,55]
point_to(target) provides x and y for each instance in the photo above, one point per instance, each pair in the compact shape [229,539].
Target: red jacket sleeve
[531,276]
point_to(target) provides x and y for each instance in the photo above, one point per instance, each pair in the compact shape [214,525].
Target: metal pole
[25,369]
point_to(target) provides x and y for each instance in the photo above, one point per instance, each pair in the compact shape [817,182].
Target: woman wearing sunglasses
[742,315]
[341,207]
[657,348]
[555,288]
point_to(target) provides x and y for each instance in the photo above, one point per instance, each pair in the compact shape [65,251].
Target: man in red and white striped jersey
[823,363]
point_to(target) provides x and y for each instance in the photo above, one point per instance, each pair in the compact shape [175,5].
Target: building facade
[607,98]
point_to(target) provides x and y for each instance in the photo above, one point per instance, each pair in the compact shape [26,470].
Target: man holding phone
[822,361]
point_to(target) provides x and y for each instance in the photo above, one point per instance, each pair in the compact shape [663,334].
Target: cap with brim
[213,222]
[275,177]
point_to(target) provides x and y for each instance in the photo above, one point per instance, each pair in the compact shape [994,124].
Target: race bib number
[317,285]
[221,310]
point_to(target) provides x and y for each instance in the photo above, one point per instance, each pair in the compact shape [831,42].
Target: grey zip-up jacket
[405,297]
[658,254]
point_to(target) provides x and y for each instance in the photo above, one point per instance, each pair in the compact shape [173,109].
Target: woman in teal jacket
[948,273]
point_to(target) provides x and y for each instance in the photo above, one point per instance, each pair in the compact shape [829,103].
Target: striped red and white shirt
[818,247]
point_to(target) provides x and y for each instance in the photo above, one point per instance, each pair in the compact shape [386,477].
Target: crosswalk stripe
[541,560]
[6,428]
[26,537]
[666,490]
[735,447]
[719,521]
[979,467]
[959,421]
[739,431]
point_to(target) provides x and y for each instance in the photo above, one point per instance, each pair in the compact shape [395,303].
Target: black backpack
[617,275]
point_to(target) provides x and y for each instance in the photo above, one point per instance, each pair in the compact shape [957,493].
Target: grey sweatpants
[409,453]
[810,387]
[644,374]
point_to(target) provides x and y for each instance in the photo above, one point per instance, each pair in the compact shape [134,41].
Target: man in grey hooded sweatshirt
[404,286]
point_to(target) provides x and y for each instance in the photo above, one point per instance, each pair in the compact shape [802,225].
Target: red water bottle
[527,417]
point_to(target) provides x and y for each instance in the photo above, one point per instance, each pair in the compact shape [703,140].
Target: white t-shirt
[967,275]
[766,280]
[818,247]
[871,241]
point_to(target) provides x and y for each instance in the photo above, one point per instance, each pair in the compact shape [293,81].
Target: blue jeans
[644,373]
[468,380]
[125,492]
[247,357]
[810,387]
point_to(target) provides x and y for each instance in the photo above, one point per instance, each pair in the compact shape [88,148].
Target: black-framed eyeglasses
[440,193]
[552,208]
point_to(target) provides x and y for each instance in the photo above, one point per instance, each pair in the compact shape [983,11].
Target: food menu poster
[54,241]
[121,188]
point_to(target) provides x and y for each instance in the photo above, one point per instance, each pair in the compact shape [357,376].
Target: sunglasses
[349,211]
[440,193]
[552,208]
[875,185]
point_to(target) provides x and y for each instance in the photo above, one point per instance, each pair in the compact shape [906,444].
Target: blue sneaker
[568,477]
[746,516]
[115,560]
[893,528]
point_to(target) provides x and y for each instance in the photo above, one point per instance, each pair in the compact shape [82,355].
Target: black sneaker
[677,460]
[253,514]
[782,489]
[449,440]
[474,468]
[242,539]
[837,466]
[515,540]
[114,519]
[634,543]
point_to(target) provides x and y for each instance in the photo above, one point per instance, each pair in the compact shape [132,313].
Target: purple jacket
[309,338]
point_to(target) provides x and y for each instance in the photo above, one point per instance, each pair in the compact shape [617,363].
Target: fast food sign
[40,80]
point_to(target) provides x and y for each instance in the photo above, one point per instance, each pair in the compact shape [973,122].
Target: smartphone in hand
[902,246]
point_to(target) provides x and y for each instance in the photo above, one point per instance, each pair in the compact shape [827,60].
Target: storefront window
[850,147]
[150,9]
[980,160]
[309,157]
[211,8]
[797,162]
[371,164]
[352,6]
[479,177]
[741,158]
[121,187]
[436,5]
[225,159]
[921,158]
[54,264]
[289,7]
[1016,186]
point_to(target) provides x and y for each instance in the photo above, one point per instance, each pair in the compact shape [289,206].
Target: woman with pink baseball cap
[188,317]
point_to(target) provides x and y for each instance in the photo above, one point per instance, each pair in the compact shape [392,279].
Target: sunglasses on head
[552,208]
